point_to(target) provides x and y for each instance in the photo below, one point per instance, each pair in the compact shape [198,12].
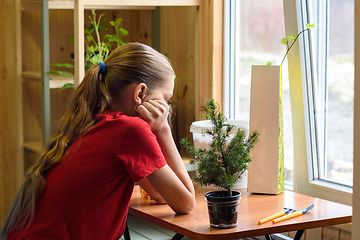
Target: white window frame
[304,180]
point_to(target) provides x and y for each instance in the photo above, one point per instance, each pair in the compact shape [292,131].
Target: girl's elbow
[186,208]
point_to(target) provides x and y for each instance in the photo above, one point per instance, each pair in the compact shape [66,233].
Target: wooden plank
[61,24]
[32,111]
[60,99]
[356,172]
[218,49]
[62,5]
[109,4]
[79,42]
[346,226]
[313,233]
[11,156]
[35,75]
[178,34]
[330,233]
[344,235]
[30,40]
[114,3]
[292,234]
[210,83]
[36,147]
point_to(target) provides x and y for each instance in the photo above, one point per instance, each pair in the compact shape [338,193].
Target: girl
[114,133]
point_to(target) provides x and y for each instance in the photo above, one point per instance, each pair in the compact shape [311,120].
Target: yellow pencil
[267,219]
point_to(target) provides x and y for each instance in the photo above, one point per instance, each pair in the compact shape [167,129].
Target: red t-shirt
[87,194]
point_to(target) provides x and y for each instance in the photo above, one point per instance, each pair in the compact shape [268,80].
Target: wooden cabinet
[178,28]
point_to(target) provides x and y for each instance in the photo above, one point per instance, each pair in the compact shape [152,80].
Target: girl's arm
[172,181]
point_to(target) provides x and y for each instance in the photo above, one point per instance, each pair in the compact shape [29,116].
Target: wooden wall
[181,49]
[11,151]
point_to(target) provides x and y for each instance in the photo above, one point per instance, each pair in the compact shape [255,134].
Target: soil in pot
[223,208]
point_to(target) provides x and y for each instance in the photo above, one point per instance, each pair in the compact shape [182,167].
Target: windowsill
[332,187]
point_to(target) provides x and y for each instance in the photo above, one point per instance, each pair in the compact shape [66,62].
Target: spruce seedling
[226,161]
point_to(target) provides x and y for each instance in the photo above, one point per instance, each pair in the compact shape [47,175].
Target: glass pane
[260,31]
[339,110]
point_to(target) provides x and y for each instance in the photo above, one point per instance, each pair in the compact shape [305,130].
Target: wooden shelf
[109,4]
[143,3]
[34,146]
[55,80]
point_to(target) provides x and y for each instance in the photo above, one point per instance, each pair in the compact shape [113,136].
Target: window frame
[304,179]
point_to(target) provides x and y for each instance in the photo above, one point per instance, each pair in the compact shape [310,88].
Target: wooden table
[252,208]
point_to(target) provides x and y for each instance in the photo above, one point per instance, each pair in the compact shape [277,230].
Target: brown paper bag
[266,171]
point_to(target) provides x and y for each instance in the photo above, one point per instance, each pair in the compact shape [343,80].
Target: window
[320,153]
[330,82]
[254,30]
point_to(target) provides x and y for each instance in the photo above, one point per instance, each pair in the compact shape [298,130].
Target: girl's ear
[139,93]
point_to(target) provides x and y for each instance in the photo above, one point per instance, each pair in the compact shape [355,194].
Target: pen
[276,215]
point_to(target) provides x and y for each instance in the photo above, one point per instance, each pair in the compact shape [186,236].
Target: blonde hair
[133,62]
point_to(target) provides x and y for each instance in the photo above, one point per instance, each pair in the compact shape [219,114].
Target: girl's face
[163,92]
[136,94]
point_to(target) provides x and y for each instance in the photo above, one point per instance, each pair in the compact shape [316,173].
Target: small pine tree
[224,164]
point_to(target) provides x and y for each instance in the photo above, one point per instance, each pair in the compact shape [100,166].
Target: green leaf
[67,85]
[89,31]
[67,65]
[89,38]
[101,15]
[309,26]
[71,39]
[284,41]
[118,21]
[91,49]
[61,73]
[111,38]
[108,45]
[102,26]
[268,63]
[291,37]
[112,23]
[123,32]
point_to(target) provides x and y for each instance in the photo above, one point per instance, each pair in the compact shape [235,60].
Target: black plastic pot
[223,208]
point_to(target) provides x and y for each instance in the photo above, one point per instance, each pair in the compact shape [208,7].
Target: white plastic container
[203,140]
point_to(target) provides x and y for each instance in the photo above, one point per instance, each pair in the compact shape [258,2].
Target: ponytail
[133,62]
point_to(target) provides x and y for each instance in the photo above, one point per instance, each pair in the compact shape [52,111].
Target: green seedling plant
[96,48]
[290,40]
[226,161]
[115,39]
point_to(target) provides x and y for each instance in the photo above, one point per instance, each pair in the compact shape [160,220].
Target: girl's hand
[155,113]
